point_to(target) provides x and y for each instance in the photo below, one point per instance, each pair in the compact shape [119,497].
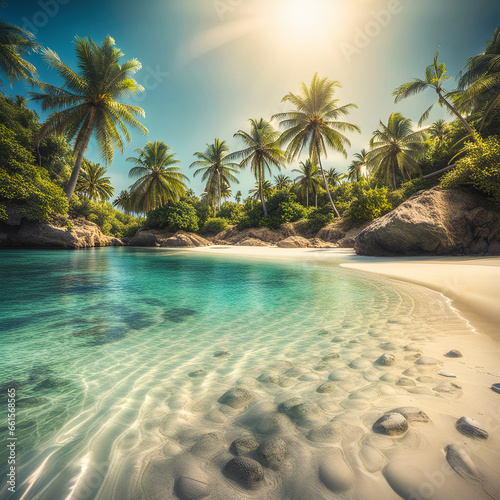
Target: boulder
[183,239]
[294,242]
[272,452]
[243,445]
[252,242]
[237,397]
[392,424]
[163,238]
[433,222]
[30,234]
[246,471]
[471,428]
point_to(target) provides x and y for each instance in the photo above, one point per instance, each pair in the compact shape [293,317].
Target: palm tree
[314,123]
[435,75]
[123,202]
[438,130]
[308,178]
[92,184]
[333,177]
[86,104]
[14,43]
[261,190]
[354,171]
[238,196]
[217,170]
[158,181]
[20,101]
[395,147]
[281,181]
[261,152]
[480,83]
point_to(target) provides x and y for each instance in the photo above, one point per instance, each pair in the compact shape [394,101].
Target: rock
[388,346]
[496,388]
[327,388]
[392,424]
[251,242]
[461,462]
[237,397]
[197,373]
[471,428]
[294,242]
[426,360]
[272,452]
[334,472]
[331,233]
[303,412]
[447,387]
[163,238]
[183,239]
[289,403]
[243,445]
[411,413]
[178,314]
[51,383]
[270,378]
[431,222]
[454,354]
[188,488]
[337,340]
[31,234]
[246,471]
[223,353]
[386,360]
[330,357]
[445,374]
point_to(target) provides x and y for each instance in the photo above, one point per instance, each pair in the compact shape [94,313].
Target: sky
[208,66]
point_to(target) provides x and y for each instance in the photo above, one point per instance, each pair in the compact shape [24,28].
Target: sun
[304,21]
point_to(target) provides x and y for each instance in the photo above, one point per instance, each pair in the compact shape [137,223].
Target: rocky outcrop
[162,238]
[30,234]
[294,242]
[434,222]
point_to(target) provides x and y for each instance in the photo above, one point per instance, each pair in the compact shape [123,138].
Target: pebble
[471,428]
[222,353]
[386,360]
[454,354]
[496,388]
[444,374]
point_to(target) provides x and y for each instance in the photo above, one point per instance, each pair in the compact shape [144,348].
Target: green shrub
[288,211]
[178,216]
[231,211]
[319,217]
[69,225]
[369,204]
[480,167]
[214,226]
[131,228]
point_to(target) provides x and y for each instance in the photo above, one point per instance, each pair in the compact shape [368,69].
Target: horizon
[227,61]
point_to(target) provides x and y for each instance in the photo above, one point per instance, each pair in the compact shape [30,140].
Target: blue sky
[210,65]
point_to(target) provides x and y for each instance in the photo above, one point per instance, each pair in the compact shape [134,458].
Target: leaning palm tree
[438,130]
[261,153]
[308,178]
[395,147]
[261,190]
[314,124]
[480,80]
[14,43]
[435,75]
[281,181]
[159,182]
[217,171]
[122,202]
[86,104]
[92,184]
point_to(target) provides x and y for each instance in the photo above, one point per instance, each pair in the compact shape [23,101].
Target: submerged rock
[237,397]
[327,388]
[471,428]
[243,445]
[386,360]
[330,357]
[246,471]
[272,452]
[51,383]
[178,314]
[197,373]
[392,424]
[188,488]
[222,353]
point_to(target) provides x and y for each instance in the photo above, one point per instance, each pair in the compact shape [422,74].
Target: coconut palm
[262,190]
[86,104]
[395,147]
[92,184]
[480,80]
[281,181]
[314,123]
[438,130]
[14,43]
[261,153]
[308,178]
[435,76]
[217,171]
[159,182]
[238,196]
[355,169]
[20,101]
[122,202]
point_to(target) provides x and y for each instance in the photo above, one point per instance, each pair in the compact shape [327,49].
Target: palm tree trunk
[326,186]
[87,128]
[393,175]
[307,196]
[315,197]
[262,192]
[454,110]
[220,194]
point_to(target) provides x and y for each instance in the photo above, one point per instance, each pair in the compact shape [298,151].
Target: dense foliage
[214,226]
[174,216]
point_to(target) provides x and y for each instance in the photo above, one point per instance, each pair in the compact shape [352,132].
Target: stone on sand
[386,360]
[471,428]
[272,452]
[246,471]
[391,424]
[243,445]
[237,397]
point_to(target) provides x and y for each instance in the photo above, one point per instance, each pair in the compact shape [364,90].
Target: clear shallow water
[100,343]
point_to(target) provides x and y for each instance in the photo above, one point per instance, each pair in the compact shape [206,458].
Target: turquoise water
[99,345]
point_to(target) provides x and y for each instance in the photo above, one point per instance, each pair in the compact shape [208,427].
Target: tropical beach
[249,250]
